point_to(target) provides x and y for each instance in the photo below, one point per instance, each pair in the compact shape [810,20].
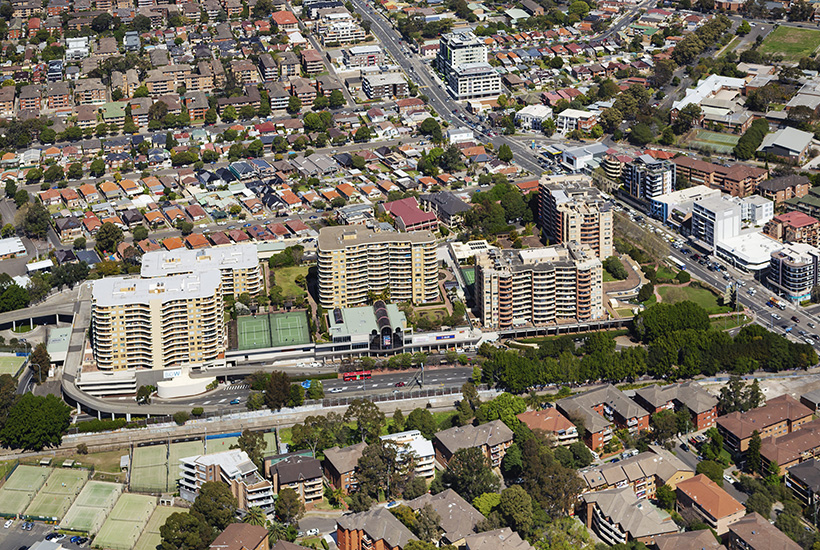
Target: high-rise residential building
[538,286]
[647,177]
[233,467]
[793,271]
[354,261]
[462,59]
[716,219]
[571,209]
[158,323]
[238,265]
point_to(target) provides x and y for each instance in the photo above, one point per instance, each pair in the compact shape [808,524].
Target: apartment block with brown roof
[785,188]
[793,448]
[688,540]
[458,518]
[7,100]
[376,529]
[779,416]
[30,98]
[738,180]
[493,438]
[303,474]
[340,466]
[551,422]
[242,536]
[617,516]
[702,406]
[717,508]
[754,532]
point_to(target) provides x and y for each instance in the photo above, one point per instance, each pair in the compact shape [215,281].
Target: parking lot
[14,538]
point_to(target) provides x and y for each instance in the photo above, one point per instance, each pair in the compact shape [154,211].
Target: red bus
[357,375]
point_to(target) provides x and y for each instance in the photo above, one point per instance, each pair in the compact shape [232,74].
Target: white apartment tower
[462,59]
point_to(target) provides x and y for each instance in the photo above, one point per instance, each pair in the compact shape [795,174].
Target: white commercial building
[750,252]
[793,271]
[675,206]
[411,441]
[459,135]
[709,87]
[462,59]
[756,209]
[532,117]
[716,219]
[12,247]
[573,119]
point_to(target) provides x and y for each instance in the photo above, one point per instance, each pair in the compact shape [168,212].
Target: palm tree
[277,531]
[256,516]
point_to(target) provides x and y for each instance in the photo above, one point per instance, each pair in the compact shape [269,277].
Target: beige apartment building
[238,265]
[571,209]
[157,323]
[353,261]
[538,286]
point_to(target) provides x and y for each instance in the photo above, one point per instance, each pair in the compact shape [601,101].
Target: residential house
[552,423]
[793,227]
[601,407]
[643,473]
[448,208]
[497,539]
[421,449]
[792,448]
[784,188]
[68,228]
[754,532]
[804,481]
[232,467]
[408,215]
[242,536]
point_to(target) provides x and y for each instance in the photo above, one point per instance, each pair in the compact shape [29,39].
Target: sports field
[11,364]
[88,512]
[713,141]
[126,522]
[21,488]
[56,496]
[150,538]
[149,469]
[791,42]
[469,275]
[272,330]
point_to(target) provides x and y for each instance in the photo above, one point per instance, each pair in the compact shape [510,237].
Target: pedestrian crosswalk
[239,387]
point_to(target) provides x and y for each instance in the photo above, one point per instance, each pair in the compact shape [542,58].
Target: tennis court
[289,328]
[177,451]
[253,332]
[149,469]
[88,512]
[11,364]
[220,444]
[126,522]
[21,488]
[150,538]
[56,496]
[713,141]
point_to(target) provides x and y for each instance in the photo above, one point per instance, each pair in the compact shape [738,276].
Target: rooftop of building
[182,260]
[118,291]
[639,518]
[657,462]
[238,536]
[778,409]
[710,497]
[379,524]
[340,237]
[499,539]
[458,517]
[795,218]
[466,437]
[758,534]
[345,459]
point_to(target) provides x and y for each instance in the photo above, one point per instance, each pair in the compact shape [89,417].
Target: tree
[711,469]
[666,497]
[337,99]
[665,425]
[753,462]
[255,516]
[369,418]
[101,23]
[139,233]
[211,116]
[294,105]
[362,134]
[108,237]
[35,422]
[21,197]
[229,114]
[75,171]
[641,134]
[144,394]
[277,392]
[646,292]
[422,420]
[11,188]
[416,487]
[581,455]
[8,394]
[360,502]
[426,527]
[516,509]
[253,443]
[183,531]
[48,136]
[315,390]
[215,505]
[97,167]
[53,173]
[289,507]
[686,118]
[469,474]
[40,362]
[505,153]
[34,175]
[383,468]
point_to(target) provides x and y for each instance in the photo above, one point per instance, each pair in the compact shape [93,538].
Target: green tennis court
[714,141]
[150,538]
[126,522]
[177,451]
[289,328]
[253,332]
[270,440]
[149,469]
[28,478]
[11,364]
[219,445]
[56,496]
[13,503]
[88,512]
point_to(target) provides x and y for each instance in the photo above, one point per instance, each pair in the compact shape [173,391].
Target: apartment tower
[354,261]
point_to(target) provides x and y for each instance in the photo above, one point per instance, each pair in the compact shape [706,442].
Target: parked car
[235,401]
[8,523]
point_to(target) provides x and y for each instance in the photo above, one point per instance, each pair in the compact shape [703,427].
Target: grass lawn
[624,312]
[790,42]
[433,314]
[22,329]
[665,273]
[725,323]
[651,301]
[285,278]
[702,297]
[608,278]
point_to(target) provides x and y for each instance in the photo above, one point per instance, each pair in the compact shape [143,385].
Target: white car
[728,478]
[335,390]
[8,523]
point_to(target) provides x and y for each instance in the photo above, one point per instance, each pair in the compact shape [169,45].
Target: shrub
[181,417]
[91,426]
[82,449]
[197,411]
[683,277]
